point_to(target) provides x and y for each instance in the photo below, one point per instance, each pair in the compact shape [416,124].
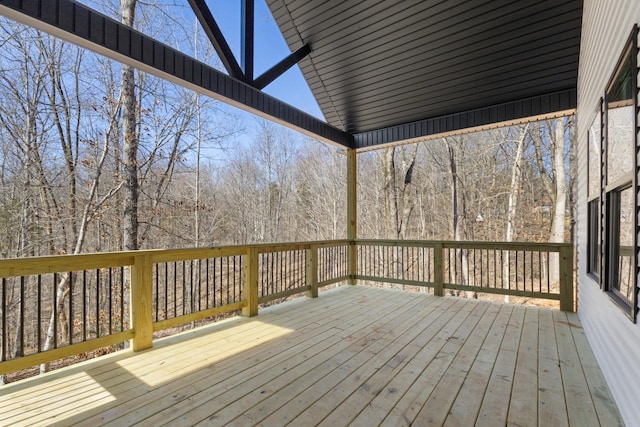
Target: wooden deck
[355,355]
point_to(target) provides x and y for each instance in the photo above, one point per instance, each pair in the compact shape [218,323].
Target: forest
[97,157]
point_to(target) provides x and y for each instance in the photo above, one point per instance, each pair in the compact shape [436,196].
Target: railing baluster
[156,287]
[166,290]
[55,310]
[206,273]
[3,356]
[122,299]
[215,280]
[39,315]
[70,309]
[22,304]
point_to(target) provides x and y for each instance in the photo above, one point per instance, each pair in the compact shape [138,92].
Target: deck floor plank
[602,399]
[259,383]
[437,407]
[523,408]
[465,408]
[349,353]
[580,406]
[231,372]
[120,382]
[358,393]
[383,403]
[552,408]
[300,392]
[356,356]
[495,404]
[441,352]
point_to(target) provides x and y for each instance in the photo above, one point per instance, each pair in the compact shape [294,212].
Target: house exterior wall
[615,339]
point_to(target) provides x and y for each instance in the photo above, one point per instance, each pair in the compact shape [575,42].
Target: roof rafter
[247,39]
[218,40]
[281,67]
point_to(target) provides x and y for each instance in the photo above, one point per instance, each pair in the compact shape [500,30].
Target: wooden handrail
[140,264]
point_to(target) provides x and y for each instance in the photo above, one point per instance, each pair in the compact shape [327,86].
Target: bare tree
[514,190]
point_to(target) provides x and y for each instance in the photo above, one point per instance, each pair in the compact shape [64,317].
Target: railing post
[566,278]
[438,269]
[141,301]
[352,214]
[250,284]
[312,271]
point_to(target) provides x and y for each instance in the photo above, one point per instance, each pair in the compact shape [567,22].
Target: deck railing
[534,270]
[100,300]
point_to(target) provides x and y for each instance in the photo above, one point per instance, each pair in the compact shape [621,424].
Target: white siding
[614,338]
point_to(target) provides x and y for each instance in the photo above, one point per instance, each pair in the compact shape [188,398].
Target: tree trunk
[516,174]
[460,254]
[560,202]
[130,141]
[130,156]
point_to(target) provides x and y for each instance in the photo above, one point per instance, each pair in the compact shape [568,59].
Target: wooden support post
[566,278]
[250,284]
[438,269]
[352,214]
[312,271]
[141,302]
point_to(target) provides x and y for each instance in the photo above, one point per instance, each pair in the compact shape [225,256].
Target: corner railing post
[566,278]
[352,214]
[141,300]
[438,269]
[312,271]
[352,260]
[250,284]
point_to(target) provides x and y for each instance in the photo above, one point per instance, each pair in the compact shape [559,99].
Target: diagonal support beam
[89,29]
[281,67]
[216,37]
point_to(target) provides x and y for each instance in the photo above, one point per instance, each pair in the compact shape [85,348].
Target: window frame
[611,191]
[595,207]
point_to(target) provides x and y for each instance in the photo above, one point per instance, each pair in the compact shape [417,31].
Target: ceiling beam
[216,37]
[281,67]
[554,104]
[89,29]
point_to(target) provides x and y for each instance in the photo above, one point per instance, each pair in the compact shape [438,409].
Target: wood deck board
[580,405]
[231,373]
[355,355]
[269,408]
[552,409]
[495,404]
[523,406]
[353,344]
[437,408]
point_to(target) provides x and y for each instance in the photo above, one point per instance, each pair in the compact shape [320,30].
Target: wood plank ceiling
[377,64]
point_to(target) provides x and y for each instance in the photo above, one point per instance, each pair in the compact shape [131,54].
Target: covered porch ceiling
[389,70]
[382,71]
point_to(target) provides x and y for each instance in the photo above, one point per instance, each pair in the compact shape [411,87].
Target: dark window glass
[593,248]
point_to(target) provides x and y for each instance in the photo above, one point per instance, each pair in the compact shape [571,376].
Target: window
[619,181]
[594,193]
